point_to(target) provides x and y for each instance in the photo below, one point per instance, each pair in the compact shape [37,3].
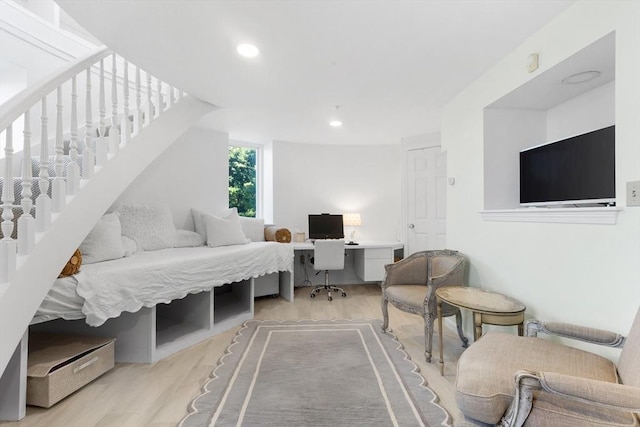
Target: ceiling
[389,66]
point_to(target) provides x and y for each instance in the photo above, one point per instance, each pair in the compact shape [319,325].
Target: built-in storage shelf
[605,215]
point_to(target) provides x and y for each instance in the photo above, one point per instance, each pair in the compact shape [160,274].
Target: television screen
[575,170]
[325,226]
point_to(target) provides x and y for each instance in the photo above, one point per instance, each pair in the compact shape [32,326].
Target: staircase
[91,169]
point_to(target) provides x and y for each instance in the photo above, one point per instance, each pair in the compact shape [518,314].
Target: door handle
[412,226]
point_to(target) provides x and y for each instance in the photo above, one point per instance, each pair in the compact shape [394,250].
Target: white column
[59,190]
[13,384]
[26,223]
[7,244]
[73,170]
[43,202]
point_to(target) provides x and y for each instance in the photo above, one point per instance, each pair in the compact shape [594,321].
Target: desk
[491,308]
[369,257]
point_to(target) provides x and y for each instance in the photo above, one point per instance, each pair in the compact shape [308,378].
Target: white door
[426,199]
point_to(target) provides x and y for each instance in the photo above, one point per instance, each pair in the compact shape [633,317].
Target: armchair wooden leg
[428,335]
[385,314]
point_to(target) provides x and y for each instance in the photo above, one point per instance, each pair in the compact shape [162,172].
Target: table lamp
[352,220]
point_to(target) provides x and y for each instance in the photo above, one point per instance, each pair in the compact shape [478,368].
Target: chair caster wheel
[330,298]
[344,294]
[313,295]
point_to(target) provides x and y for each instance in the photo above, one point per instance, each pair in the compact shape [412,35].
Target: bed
[104,290]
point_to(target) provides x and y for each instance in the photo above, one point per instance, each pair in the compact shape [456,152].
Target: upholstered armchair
[530,381]
[411,283]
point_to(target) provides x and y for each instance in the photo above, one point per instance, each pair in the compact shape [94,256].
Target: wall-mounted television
[572,171]
[325,226]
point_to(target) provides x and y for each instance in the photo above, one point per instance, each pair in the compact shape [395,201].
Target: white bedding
[106,289]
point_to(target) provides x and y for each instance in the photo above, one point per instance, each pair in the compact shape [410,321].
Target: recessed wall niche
[544,110]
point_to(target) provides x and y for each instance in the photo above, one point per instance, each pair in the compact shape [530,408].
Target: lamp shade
[351,219]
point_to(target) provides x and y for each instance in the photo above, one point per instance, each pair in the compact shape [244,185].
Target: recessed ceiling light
[583,77]
[335,123]
[248,50]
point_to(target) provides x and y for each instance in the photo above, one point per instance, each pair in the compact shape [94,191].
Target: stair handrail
[15,106]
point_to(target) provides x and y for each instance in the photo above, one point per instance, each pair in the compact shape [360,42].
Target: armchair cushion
[485,381]
[411,296]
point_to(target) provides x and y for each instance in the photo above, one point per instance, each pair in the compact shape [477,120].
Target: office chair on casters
[328,255]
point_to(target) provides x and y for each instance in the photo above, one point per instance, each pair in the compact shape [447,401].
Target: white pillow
[129,245]
[253,228]
[224,231]
[198,222]
[151,227]
[188,238]
[103,243]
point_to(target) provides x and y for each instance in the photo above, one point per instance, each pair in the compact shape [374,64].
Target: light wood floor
[158,394]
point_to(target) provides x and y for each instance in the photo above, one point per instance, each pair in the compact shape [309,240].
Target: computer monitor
[325,226]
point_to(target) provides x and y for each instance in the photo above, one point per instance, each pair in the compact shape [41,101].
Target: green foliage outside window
[242,180]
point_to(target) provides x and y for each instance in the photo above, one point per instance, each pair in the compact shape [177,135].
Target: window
[243,179]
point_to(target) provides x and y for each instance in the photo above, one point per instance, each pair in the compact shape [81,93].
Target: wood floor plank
[158,394]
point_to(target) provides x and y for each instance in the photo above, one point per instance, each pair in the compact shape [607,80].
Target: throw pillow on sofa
[253,228]
[151,227]
[224,231]
[188,239]
[103,243]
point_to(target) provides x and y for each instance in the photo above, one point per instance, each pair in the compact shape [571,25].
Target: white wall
[587,274]
[191,173]
[590,111]
[310,178]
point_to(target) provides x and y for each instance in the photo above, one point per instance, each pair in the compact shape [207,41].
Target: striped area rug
[315,373]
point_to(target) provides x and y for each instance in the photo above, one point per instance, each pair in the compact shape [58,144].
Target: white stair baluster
[102,144]
[7,244]
[114,132]
[43,202]
[172,96]
[125,124]
[137,117]
[88,159]
[26,222]
[73,170]
[160,101]
[59,189]
[149,109]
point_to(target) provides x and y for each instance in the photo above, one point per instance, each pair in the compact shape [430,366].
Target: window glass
[243,180]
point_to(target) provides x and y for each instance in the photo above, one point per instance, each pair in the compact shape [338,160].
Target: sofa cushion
[224,231]
[253,228]
[485,383]
[151,227]
[103,243]
[188,239]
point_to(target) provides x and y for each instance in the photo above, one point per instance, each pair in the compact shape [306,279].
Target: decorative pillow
[253,228]
[224,231]
[103,242]
[73,265]
[129,245]
[277,234]
[198,222]
[151,227]
[188,238]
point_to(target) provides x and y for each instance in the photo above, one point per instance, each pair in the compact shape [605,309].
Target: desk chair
[328,255]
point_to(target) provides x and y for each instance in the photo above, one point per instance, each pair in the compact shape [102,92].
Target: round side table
[488,307]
